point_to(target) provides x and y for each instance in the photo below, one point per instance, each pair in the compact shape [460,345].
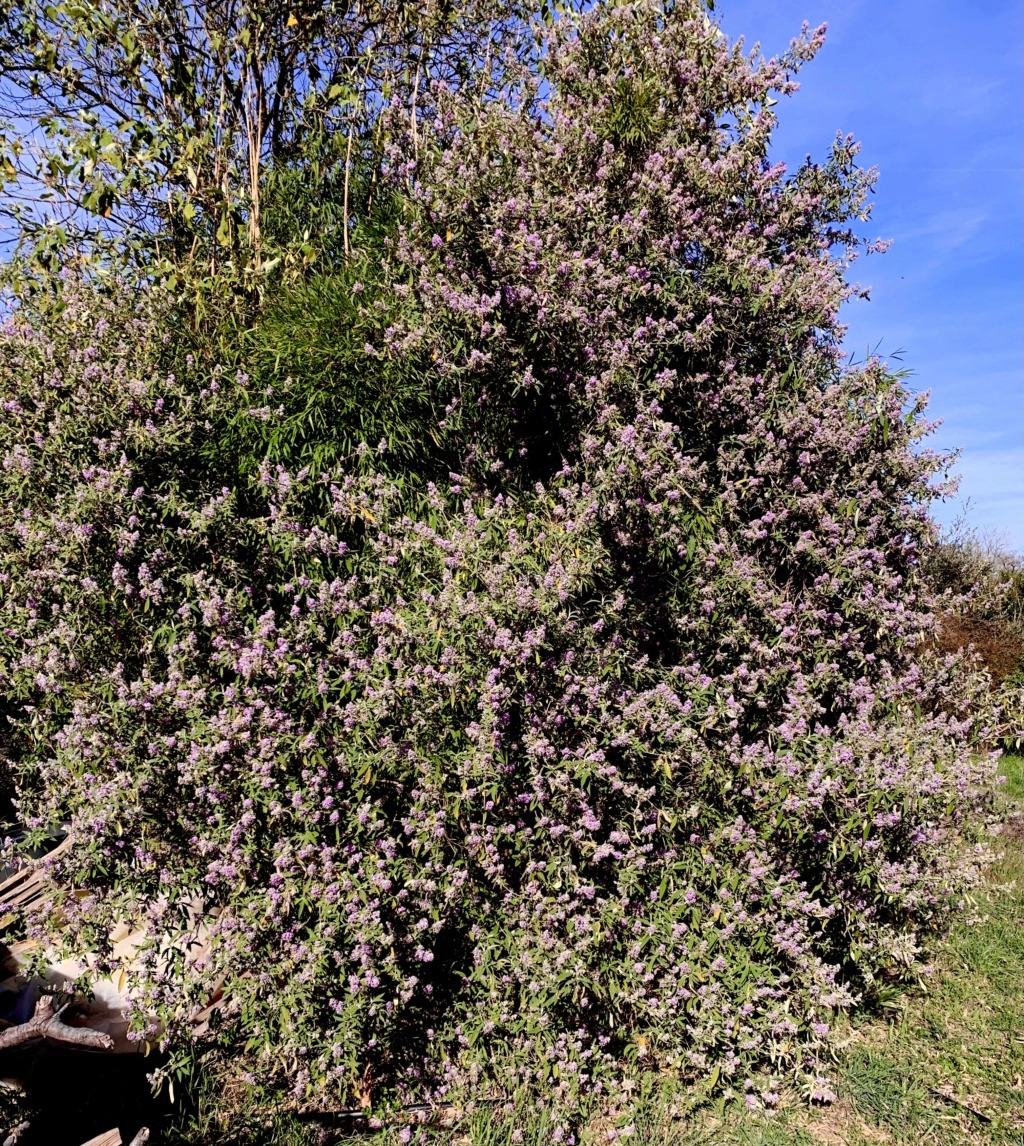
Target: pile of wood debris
[40,1009]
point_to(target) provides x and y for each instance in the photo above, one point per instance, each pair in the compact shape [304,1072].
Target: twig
[140,1138]
[979,1114]
[344,206]
[412,112]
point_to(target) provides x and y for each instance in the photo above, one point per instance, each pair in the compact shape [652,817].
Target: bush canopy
[504,640]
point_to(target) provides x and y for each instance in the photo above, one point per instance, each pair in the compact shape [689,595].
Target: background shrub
[979,587]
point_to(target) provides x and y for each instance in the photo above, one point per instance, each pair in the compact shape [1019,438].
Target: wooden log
[44,1024]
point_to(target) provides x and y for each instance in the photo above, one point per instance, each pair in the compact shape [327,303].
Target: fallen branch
[44,1024]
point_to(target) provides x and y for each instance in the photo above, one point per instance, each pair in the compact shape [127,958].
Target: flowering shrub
[623,745]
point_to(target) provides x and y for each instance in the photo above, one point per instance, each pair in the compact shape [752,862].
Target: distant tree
[157,127]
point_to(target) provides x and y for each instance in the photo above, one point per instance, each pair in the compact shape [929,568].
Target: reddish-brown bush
[996,641]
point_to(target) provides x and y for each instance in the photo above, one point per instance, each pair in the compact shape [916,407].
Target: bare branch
[44,1024]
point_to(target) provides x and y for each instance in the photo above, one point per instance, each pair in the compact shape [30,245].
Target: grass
[943,1066]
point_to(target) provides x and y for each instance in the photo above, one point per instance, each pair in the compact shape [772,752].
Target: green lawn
[943,1065]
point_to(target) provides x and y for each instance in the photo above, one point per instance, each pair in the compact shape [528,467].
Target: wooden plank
[111,1138]
[26,885]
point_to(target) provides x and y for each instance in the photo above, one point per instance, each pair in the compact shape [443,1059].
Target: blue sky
[935,92]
